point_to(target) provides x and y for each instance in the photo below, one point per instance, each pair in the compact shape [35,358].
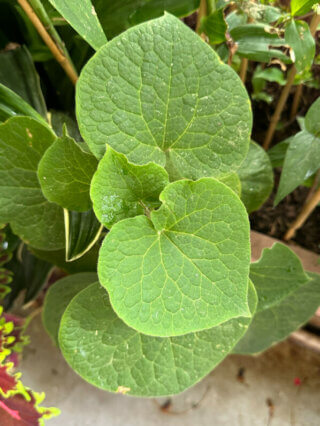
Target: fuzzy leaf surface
[157,93]
[112,356]
[83,18]
[65,172]
[120,189]
[39,223]
[256,178]
[185,269]
[58,298]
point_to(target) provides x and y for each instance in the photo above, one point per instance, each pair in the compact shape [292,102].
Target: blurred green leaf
[301,7]
[215,27]
[299,38]
[18,73]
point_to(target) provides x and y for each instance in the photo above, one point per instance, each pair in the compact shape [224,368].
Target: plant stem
[296,101]
[279,108]
[243,69]
[315,21]
[59,54]
[307,209]
[201,13]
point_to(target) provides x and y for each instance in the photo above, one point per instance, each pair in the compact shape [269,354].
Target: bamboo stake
[304,214]
[286,90]
[62,59]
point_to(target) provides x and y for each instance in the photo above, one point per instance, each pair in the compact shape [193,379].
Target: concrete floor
[267,394]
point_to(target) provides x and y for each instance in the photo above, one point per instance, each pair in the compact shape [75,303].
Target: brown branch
[201,13]
[55,50]
[243,69]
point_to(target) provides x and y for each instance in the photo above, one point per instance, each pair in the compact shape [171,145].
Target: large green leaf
[278,152]
[256,178]
[65,172]
[12,105]
[39,223]
[257,42]
[114,357]
[301,7]
[117,16]
[83,18]
[120,189]
[159,93]
[278,273]
[300,39]
[186,268]
[18,73]
[302,160]
[272,325]
[58,298]
[82,231]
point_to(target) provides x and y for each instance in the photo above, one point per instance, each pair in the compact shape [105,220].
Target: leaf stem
[57,51]
[296,101]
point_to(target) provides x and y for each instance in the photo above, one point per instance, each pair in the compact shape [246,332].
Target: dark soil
[275,221]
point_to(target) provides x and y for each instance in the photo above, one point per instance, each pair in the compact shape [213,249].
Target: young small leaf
[114,357]
[272,325]
[120,189]
[278,273]
[65,172]
[302,160]
[157,93]
[186,268]
[215,27]
[58,298]
[300,39]
[256,178]
[82,231]
[39,223]
[83,18]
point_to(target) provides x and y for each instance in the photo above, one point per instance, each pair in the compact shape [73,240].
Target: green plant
[157,194]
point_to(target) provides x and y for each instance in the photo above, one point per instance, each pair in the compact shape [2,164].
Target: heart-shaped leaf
[184,270]
[120,189]
[158,93]
[39,223]
[58,298]
[114,357]
[65,172]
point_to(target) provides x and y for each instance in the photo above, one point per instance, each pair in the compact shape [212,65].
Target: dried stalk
[59,55]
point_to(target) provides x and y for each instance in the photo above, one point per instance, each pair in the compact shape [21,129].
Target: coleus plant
[166,176]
